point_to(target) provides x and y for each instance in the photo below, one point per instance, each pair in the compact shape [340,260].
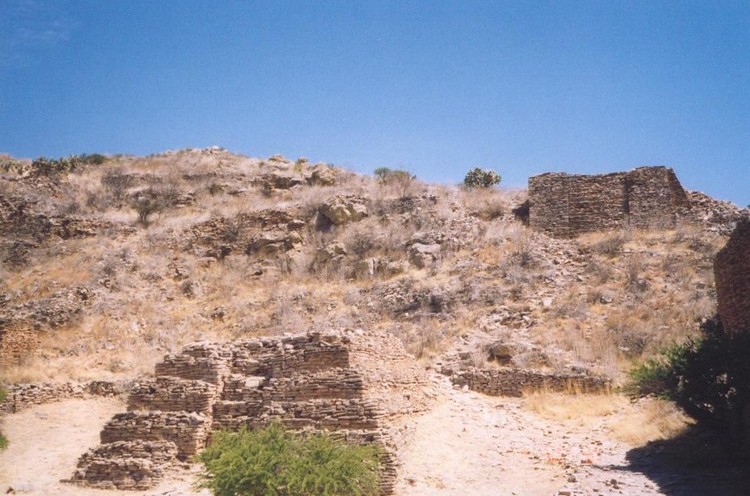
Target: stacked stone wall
[171,394]
[17,343]
[732,275]
[567,205]
[515,382]
[22,396]
[656,198]
[187,431]
[597,199]
[303,382]
[133,465]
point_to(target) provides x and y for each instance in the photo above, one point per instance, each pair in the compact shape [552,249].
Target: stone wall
[303,382]
[188,431]
[17,343]
[567,205]
[22,396]
[732,275]
[514,382]
[133,465]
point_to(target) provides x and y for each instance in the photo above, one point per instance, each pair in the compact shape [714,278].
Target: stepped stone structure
[309,382]
[565,205]
[732,275]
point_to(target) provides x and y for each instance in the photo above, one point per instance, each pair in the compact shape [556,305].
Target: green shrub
[43,166]
[3,439]
[275,462]
[708,377]
[93,158]
[117,181]
[402,180]
[151,201]
[478,178]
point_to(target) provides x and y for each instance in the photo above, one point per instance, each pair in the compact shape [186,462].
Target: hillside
[109,263]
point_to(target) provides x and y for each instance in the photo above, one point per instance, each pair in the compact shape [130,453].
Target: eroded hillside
[107,266]
[110,266]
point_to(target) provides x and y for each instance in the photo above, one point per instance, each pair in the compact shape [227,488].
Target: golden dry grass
[601,315]
[650,419]
[634,423]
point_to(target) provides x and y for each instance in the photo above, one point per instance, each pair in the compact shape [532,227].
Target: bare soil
[466,444]
[471,444]
[46,441]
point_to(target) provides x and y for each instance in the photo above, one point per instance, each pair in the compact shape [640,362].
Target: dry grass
[579,407]
[632,423]
[615,297]
[649,419]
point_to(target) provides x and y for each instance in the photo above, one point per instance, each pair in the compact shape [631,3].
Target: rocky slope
[108,263]
[105,266]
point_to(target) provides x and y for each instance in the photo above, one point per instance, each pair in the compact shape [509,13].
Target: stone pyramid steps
[304,382]
[188,431]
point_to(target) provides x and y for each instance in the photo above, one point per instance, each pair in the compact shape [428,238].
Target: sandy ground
[475,445]
[471,444]
[467,444]
[46,441]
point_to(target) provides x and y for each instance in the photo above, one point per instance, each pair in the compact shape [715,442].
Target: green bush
[3,439]
[275,462]
[43,166]
[148,202]
[399,179]
[708,377]
[478,178]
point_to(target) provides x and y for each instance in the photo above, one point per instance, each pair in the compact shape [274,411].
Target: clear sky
[434,87]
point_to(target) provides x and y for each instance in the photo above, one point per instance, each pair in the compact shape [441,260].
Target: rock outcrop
[567,205]
[20,323]
[265,232]
[732,275]
[341,210]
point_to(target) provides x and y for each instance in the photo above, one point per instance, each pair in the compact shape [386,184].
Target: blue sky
[434,87]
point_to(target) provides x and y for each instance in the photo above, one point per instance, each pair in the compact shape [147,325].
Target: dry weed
[583,408]
[632,423]
[649,420]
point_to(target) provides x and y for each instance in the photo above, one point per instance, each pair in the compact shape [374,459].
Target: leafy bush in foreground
[275,462]
[708,377]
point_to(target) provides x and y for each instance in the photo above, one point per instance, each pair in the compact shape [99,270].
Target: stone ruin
[305,382]
[565,205]
[22,396]
[16,343]
[732,275]
[508,381]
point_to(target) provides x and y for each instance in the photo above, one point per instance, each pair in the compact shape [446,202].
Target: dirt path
[467,444]
[471,444]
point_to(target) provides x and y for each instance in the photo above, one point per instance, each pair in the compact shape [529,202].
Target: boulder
[332,252]
[341,210]
[322,175]
[422,255]
[500,352]
[365,269]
